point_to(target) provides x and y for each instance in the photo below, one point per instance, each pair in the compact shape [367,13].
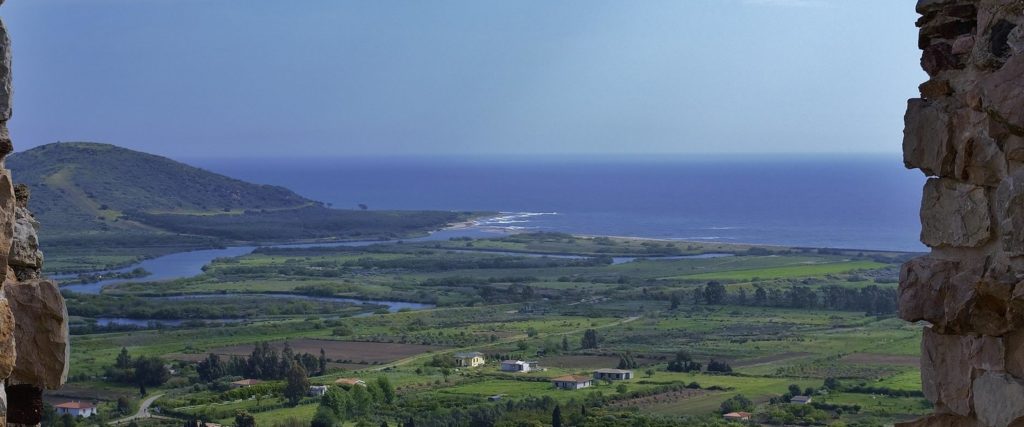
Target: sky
[252,78]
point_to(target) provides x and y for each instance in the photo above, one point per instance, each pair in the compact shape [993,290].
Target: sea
[867,202]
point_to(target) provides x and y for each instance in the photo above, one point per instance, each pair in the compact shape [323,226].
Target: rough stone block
[945,373]
[1010,213]
[941,420]
[927,144]
[8,352]
[999,399]
[42,331]
[956,298]
[954,214]
[1004,94]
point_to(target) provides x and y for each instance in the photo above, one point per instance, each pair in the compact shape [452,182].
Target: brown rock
[5,74]
[935,89]
[963,44]
[1014,343]
[1003,93]
[926,139]
[945,373]
[1013,146]
[8,352]
[25,258]
[42,331]
[925,6]
[941,420]
[956,299]
[923,286]
[1010,213]
[980,161]
[939,57]
[999,398]
[954,214]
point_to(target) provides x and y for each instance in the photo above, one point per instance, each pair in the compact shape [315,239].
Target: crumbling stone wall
[966,133]
[34,345]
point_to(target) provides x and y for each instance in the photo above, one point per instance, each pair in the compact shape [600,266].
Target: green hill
[85,187]
[102,199]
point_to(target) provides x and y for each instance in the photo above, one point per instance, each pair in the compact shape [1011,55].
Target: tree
[590,339]
[362,206]
[649,372]
[445,372]
[736,403]
[675,301]
[297,384]
[716,366]
[151,371]
[124,406]
[124,360]
[211,368]
[832,384]
[556,417]
[714,293]
[760,296]
[565,343]
[386,389]
[322,362]
[244,419]
[324,417]
[142,390]
[683,363]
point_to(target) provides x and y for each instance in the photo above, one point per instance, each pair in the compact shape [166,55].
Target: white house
[317,390]
[572,382]
[515,366]
[469,359]
[800,400]
[76,409]
[613,374]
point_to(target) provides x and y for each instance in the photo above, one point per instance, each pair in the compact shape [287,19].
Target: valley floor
[763,323]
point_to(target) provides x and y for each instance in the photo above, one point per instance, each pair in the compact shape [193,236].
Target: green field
[777,317]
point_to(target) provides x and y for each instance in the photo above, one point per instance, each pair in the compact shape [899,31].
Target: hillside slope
[102,205]
[82,187]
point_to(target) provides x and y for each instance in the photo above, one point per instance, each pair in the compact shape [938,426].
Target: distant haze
[193,78]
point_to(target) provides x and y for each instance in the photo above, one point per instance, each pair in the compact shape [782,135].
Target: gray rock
[926,139]
[999,399]
[954,214]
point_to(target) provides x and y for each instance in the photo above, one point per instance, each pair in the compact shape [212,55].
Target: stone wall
[966,133]
[34,346]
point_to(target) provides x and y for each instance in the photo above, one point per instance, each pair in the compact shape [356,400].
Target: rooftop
[572,379]
[75,405]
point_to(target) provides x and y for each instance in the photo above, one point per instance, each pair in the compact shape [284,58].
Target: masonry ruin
[34,346]
[966,133]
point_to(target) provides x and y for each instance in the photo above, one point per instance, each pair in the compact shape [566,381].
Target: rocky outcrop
[34,344]
[966,133]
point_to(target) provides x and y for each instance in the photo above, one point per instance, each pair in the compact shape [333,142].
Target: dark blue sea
[857,201]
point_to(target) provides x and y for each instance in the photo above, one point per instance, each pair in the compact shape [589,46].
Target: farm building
[349,382]
[800,400]
[515,366]
[317,390]
[469,359]
[613,374]
[245,383]
[572,382]
[737,416]
[76,409]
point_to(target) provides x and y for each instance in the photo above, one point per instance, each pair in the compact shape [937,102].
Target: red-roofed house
[737,416]
[572,382]
[245,383]
[76,409]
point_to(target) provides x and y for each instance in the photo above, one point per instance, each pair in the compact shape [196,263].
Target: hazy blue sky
[301,77]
